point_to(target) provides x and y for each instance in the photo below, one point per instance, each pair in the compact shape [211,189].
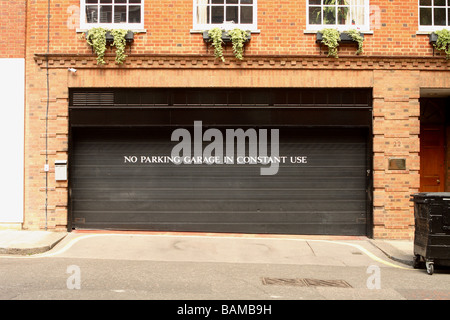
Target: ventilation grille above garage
[92,98]
[204,97]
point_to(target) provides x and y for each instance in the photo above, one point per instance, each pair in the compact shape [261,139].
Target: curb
[33,248]
[392,253]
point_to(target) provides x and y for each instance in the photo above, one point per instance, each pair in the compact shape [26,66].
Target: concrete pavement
[202,266]
[20,242]
[203,247]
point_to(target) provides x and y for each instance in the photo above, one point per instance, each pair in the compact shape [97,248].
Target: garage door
[112,190]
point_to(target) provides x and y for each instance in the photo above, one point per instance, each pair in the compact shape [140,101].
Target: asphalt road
[55,278]
[213,269]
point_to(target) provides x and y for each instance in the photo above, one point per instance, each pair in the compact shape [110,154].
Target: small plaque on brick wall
[397,164]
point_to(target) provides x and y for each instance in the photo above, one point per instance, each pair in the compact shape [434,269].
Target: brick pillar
[37,214]
[396,129]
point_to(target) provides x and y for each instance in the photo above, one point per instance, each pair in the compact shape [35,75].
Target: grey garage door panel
[220,217]
[219,206]
[239,227]
[126,194]
[327,195]
[244,184]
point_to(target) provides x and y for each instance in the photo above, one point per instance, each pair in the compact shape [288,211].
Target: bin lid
[432,195]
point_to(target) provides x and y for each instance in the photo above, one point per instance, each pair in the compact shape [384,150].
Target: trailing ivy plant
[238,37]
[96,38]
[356,36]
[443,42]
[330,38]
[120,43]
[216,37]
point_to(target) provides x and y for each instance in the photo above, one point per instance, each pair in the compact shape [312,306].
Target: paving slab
[207,247]
[266,249]
[23,242]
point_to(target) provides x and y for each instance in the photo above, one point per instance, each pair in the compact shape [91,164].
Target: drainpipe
[46,168]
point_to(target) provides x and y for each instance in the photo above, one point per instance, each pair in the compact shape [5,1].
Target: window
[434,14]
[124,14]
[228,14]
[339,14]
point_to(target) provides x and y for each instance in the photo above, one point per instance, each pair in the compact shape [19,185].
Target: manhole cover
[305,282]
[283,282]
[327,283]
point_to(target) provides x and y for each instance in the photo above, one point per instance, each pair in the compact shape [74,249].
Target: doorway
[433,144]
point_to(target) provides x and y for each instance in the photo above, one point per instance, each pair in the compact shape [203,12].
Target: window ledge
[134,30]
[426,32]
[315,31]
[431,29]
[201,31]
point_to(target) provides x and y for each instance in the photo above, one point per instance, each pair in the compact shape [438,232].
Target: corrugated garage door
[327,195]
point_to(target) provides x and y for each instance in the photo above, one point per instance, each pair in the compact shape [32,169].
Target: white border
[12,89]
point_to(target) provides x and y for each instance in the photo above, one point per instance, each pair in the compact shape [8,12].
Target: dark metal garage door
[326,195]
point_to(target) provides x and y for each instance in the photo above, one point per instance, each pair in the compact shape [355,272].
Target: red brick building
[373,127]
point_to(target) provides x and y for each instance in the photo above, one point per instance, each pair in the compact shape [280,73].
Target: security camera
[72,70]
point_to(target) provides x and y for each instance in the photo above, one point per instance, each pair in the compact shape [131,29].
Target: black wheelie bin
[432,229]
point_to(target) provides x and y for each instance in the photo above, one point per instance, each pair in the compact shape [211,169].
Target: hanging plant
[443,42]
[356,36]
[238,38]
[216,39]
[96,37]
[219,37]
[330,38]
[120,43]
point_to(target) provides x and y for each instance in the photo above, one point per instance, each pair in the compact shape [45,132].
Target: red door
[432,158]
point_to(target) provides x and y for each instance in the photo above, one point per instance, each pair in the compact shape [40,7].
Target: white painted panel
[12,83]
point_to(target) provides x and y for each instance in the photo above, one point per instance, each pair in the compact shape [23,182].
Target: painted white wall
[12,92]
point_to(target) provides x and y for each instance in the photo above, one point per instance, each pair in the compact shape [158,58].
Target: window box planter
[221,38]
[225,37]
[344,37]
[433,38]
[440,40]
[129,37]
[100,39]
[333,39]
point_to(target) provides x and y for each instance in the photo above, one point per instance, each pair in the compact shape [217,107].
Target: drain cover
[305,282]
[283,282]
[327,283]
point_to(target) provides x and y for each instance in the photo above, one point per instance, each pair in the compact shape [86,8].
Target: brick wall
[12,35]
[396,130]
[396,64]
[281,24]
